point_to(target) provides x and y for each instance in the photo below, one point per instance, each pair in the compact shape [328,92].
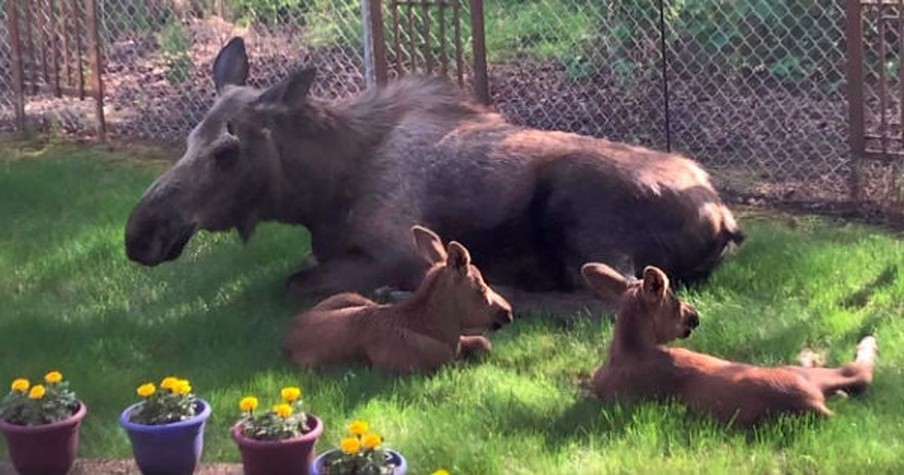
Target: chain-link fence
[755,88]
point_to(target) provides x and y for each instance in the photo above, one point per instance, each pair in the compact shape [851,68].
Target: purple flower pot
[401,465]
[278,457]
[47,449]
[167,449]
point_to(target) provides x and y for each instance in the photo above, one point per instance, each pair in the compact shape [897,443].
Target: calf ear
[603,279]
[428,245]
[231,65]
[458,258]
[292,91]
[655,282]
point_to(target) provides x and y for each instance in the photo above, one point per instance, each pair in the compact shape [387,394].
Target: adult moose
[532,206]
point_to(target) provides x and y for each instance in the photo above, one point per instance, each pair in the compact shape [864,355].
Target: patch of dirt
[128,467]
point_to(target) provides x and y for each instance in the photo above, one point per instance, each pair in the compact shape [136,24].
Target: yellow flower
[283,410]
[441,471]
[169,383]
[248,403]
[53,377]
[20,384]
[350,445]
[358,427]
[371,441]
[182,388]
[37,392]
[290,394]
[146,390]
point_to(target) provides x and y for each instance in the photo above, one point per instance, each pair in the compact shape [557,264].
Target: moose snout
[503,315]
[693,320]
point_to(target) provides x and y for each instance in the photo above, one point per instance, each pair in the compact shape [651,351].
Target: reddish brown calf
[418,335]
[639,366]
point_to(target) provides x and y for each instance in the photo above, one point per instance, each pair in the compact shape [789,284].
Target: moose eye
[226,156]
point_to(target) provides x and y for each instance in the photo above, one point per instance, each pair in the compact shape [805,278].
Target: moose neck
[322,152]
[634,330]
[431,312]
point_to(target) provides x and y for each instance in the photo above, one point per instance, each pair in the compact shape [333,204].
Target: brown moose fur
[531,205]
[639,366]
[418,335]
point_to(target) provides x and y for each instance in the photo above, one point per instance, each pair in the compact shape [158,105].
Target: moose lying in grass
[420,334]
[639,366]
[531,205]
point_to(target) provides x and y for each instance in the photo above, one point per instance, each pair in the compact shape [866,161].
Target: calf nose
[693,320]
[505,315]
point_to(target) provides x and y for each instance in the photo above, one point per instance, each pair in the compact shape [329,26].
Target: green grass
[71,300]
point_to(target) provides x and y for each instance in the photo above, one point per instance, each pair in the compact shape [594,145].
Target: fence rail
[758,90]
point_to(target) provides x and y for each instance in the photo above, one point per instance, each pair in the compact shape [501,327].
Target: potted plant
[360,453]
[41,424]
[278,441]
[166,427]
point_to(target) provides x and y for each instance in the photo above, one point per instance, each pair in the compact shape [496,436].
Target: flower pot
[167,449]
[401,465]
[47,449]
[278,457]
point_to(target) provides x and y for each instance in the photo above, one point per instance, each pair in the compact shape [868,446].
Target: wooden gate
[427,36]
[875,48]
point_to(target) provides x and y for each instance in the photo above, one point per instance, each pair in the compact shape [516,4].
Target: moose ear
[603,279]
[291,91]
[428,245]
[655,282]
[458,258]
[231,65]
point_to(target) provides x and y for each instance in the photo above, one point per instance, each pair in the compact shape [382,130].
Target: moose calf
[418,335]
[639,366]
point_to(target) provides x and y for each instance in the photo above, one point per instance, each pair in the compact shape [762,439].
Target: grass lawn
[70,300]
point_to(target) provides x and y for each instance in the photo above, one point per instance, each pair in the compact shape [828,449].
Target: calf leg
[471,346]
[853,377]
[409,353]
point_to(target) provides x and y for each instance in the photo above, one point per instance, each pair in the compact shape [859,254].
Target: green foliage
[270,12]
[788,41]
[175,48]
[39,404]
[365,462]
[334,23]
[284,421]
[359,453]
[172,402]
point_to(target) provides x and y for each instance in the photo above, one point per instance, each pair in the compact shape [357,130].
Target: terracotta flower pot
[282,457]
[48,449]
[167,449]
[401,465]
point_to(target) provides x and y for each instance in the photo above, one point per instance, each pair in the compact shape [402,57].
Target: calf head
[230,168]
[460,284]
[647,308]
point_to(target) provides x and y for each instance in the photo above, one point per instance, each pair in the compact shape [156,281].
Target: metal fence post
[369,75]
[373,27]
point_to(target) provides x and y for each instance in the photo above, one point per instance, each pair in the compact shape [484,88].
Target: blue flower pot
[167,449]
[401,465]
